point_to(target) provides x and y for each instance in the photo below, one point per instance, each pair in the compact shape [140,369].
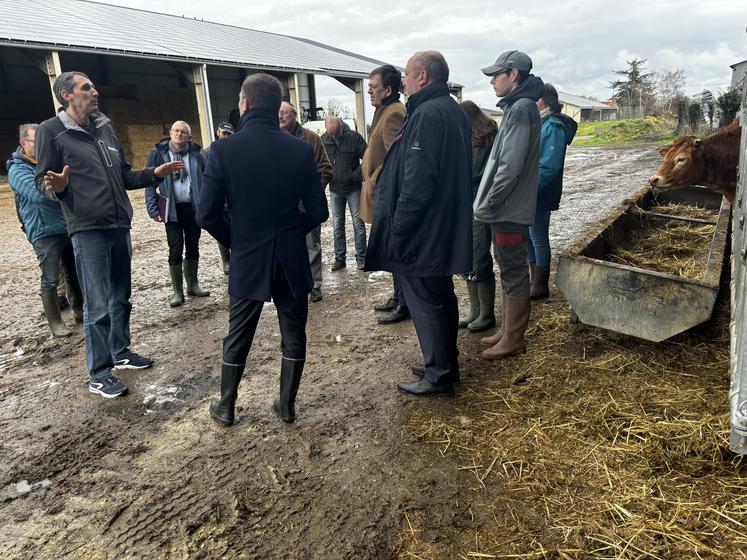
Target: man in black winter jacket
[82,164]
[422,219]
[345,149]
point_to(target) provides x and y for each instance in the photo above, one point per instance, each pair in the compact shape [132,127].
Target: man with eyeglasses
[175,204]
[383,89]
[44,226]
[82,164]
[422,226]
[289,123]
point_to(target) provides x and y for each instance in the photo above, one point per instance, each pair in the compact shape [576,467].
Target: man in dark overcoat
[422,219]
[275,196]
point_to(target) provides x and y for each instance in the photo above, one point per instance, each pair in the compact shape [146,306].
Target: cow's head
[683,164]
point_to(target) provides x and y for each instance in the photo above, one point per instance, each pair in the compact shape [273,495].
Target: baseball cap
[507,61]
[225,127]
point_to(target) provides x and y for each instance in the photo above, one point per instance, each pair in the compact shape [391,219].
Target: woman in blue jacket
[558,131]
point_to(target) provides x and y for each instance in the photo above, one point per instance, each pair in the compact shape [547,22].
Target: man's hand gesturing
[163,170]
[57,182]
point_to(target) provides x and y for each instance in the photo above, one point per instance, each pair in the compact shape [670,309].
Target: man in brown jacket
[289,123]
[383,88]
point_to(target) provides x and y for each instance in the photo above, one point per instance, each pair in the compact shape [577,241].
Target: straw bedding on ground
[591,445]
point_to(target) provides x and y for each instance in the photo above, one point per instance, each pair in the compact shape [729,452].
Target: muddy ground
[149,475]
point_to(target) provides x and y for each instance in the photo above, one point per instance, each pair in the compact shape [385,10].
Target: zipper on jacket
[105,153]
[108,162]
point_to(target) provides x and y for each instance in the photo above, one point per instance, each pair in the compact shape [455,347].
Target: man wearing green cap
[507,195]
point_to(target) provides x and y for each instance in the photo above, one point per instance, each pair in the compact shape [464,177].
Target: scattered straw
[610,447]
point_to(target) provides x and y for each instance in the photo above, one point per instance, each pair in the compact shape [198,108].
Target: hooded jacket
[508,189]
[423,202]
[558,131]
[95,197]
[160,155]
[40,216]
[345,154]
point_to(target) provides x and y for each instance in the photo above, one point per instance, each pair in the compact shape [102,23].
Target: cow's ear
[698,145]
[664,150]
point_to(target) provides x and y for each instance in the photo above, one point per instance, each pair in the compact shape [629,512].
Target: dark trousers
[52,251]
[399,295]
[183,231]
[243,316]
[435,314]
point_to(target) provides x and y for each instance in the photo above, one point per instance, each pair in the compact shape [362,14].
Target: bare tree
[336,107]
[669,85]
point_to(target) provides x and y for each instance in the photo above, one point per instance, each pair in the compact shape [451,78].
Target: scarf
[181,174]
[546,112]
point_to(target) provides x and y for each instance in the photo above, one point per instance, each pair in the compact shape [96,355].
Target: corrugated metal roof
[581,102]
[88,26]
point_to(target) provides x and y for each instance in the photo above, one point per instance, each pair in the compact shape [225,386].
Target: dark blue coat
[262,173]
[422,219]
[160,155]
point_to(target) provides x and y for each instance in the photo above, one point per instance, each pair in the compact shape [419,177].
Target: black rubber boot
[76,300]
[52,310]
[225,256]
[474,305]
[290,379]
[540,288]
[177,283]
[222,410]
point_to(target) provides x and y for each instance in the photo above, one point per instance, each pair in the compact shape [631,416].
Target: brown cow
[712,162]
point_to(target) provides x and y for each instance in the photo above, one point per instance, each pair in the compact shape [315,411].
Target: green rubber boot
[51,305]
[474,305]
[190,274]
[486,295]
[177,282]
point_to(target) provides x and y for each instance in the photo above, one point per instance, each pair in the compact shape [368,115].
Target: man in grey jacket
[82,164]
[507,195]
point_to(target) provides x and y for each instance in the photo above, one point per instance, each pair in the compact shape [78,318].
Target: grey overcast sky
[576,44]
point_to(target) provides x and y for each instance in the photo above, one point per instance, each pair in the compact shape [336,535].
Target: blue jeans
[52,250]
[539,240]
[102,258]
[338,225]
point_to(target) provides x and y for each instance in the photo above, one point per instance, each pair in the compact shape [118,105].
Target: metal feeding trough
[638,301]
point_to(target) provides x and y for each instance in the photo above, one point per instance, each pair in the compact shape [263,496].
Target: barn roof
[86,26]
[581,102]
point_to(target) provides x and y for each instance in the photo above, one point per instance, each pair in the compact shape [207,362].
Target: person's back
[271,183]
[263,191]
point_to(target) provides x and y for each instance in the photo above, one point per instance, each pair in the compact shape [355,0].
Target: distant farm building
[493,113]
[582,109]
[738,75]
